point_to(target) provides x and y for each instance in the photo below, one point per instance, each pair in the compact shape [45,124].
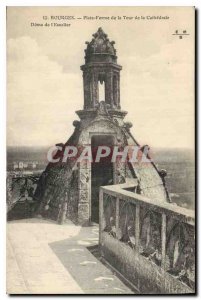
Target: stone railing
[20,194]
[149,242]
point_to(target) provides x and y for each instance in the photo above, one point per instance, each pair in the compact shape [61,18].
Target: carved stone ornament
[100,44]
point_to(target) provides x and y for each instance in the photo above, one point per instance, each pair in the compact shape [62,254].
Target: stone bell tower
[101,68]
[69,189]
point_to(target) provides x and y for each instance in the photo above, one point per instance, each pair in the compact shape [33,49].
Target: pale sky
[44,80]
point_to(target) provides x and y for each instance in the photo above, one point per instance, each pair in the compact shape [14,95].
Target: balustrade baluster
[101,221]
[137,227]
[117,218]
[163,240]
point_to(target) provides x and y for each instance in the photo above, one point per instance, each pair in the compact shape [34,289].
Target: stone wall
[146,276]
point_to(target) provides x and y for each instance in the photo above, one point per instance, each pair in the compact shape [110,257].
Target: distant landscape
[180,179]
[179,164]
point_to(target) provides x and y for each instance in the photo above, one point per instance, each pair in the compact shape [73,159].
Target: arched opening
[101,89]
[102,172]
[115,91]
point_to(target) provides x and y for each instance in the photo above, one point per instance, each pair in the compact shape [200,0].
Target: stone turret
[70,189]
[101,68]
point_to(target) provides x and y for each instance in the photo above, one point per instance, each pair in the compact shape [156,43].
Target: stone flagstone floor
[46,258]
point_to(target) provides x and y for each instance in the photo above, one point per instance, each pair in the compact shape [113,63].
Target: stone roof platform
[46,258]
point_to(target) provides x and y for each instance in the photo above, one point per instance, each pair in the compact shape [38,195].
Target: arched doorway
[102,172]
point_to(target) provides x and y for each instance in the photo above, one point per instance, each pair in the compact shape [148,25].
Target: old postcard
[100,150]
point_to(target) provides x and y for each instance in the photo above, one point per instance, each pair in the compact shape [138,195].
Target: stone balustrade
[151,243]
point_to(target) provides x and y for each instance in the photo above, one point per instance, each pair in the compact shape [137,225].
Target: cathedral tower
[70,189]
